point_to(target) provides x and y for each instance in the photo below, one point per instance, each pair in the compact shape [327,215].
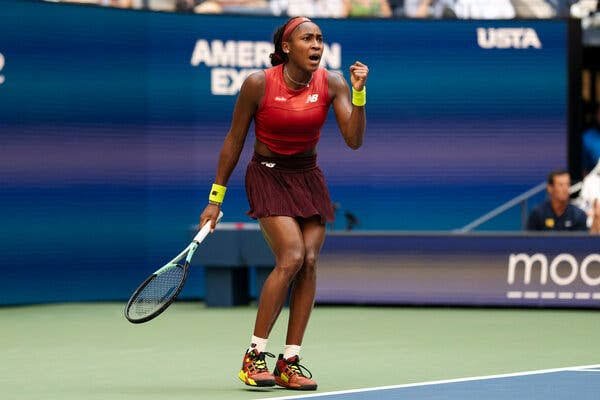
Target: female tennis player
[286,189]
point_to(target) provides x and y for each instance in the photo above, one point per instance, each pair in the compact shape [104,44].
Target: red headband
[293,24]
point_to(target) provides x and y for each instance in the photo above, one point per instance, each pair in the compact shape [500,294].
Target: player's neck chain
[296,82]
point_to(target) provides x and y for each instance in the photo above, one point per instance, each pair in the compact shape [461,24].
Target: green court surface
[89,351]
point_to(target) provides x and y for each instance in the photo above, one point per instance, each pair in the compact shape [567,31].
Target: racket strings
[158,292]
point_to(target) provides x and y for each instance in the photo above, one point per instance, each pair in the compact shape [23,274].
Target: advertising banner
[111,122]
[485,270]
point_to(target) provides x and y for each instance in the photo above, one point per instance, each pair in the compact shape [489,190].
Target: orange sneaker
[254,370]
[288,374]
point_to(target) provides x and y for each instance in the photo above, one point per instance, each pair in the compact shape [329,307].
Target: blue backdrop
[111,122]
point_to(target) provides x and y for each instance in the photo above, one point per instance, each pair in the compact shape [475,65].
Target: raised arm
[247,102]
[350,115]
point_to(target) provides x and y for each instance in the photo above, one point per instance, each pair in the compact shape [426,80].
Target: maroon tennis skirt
[290,186]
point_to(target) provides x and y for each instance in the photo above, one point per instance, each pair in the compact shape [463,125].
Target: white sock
[258,343]
[291,350]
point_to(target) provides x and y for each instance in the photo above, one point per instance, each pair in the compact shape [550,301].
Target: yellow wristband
[359,98]
[217,193]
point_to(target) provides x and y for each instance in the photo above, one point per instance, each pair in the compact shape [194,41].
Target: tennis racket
[161,288]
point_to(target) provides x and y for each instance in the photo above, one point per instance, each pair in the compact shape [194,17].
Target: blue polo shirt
[543,218]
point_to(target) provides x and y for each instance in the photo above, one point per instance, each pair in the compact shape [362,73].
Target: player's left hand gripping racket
[161,288]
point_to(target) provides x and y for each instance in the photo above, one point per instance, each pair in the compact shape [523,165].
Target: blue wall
[110,130]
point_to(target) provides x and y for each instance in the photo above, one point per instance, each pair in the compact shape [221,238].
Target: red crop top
[289,121]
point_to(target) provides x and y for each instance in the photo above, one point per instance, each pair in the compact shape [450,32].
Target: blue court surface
[573,383]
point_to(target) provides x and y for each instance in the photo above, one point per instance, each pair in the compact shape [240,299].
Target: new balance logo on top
[279,98]
[312,98]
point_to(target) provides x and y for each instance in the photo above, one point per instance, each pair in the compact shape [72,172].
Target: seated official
[557,213]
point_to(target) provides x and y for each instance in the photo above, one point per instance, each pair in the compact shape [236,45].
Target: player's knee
[291,263]
[309,267]
[310,261]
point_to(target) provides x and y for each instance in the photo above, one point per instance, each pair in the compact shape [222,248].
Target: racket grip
[205,230]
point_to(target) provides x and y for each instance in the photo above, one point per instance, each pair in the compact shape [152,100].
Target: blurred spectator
[397,7]
[336,8]
[117,3]
[562,8]
[310,8]
[463,9]
[583,8]
[589,13]
[591,144]
[428,8]
[482,9]
[368,8]
[107,3]
[209,7]
[535,8]
[185,5]
[233,6]
[557,213]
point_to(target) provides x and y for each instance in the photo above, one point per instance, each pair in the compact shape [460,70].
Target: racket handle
[203,233]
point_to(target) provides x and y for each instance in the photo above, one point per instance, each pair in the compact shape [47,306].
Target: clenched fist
[358,75]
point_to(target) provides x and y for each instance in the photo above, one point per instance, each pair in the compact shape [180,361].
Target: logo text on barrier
[569,267]
[508,38]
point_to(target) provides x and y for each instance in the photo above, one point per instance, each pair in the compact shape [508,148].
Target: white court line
[515,294]
[586,370]
[431,383]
